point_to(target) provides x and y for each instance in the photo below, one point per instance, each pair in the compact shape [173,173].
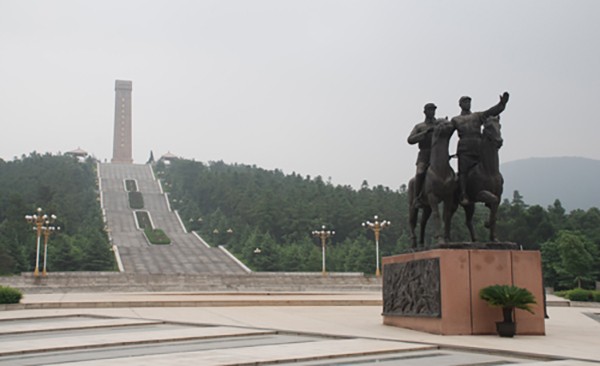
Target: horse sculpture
[484,182]
[440,186]
[413,215]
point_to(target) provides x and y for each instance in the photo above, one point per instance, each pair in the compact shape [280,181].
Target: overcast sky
[330,88]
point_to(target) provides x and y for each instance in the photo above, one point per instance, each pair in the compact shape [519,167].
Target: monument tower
[122,133]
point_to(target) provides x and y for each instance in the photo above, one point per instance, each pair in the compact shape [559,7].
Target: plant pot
[506,329]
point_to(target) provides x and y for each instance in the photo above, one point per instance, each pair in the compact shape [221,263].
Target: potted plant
[508,298]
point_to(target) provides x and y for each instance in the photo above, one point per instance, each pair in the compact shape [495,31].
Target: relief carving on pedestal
[412,288]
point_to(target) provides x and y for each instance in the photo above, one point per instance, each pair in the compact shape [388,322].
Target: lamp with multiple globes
[42,225]
[323,235]
[376,226]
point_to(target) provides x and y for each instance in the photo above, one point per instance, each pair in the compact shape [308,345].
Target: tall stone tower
[122,135]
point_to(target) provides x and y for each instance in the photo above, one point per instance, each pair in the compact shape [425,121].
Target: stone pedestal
[437,291]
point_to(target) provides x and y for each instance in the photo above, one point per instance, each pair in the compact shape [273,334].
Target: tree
[551,263]
[61,185]
[576,258]
[556,214]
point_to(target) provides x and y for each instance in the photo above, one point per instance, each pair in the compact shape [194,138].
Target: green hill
[275,213]
[62,186]
[265,218]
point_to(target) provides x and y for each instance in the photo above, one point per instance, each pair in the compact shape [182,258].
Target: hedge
[9,295]
[136,200]
[130,185]
[143,220]
[157,236]
[579,294]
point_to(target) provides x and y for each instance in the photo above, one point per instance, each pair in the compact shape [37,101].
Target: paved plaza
[265,328]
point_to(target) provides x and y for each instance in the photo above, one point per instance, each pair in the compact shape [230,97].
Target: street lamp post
[323,234]
[47,230]
[39,220]
[221,239]
[376,226]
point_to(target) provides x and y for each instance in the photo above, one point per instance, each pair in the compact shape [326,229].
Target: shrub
[580,294]
[130,185]
[136,200]
[9,295]
[157,236]
[508,297]
[562,293]
[143,220]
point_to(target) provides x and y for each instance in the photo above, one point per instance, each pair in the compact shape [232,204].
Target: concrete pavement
[342,329]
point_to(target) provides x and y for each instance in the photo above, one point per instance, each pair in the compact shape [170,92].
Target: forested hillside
[248,208]
[266,219]
[62,186]
[276,214]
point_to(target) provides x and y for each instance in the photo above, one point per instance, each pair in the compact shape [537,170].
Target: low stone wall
[135,282]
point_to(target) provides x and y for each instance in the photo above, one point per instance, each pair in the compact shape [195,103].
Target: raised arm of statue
[498,108]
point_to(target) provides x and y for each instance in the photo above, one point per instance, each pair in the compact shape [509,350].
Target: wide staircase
[187,252]
[188,264]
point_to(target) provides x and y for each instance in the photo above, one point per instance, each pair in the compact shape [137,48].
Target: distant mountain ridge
[575,181]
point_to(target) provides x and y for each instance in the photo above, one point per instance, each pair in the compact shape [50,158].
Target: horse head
[443,129]
[491,130]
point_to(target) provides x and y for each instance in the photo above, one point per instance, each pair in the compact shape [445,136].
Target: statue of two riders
[478,177]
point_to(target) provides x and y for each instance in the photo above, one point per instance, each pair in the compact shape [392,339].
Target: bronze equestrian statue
[479,179]
[439,187]
[484,181]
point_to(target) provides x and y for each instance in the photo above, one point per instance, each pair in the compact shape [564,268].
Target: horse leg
[492,221]
[413,214]
[491,201]
[469,211]
[435,210]
[424,218]
[448,212]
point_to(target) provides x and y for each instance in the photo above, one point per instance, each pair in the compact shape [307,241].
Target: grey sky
[328,88]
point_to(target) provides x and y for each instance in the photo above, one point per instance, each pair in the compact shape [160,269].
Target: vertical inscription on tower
[122,134]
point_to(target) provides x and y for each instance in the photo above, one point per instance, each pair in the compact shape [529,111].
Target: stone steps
[185,254]
[134,282]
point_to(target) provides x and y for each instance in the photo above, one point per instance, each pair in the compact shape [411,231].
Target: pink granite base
[463,272]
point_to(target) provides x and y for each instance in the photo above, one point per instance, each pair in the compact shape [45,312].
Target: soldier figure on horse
[421,134]
[468,124]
